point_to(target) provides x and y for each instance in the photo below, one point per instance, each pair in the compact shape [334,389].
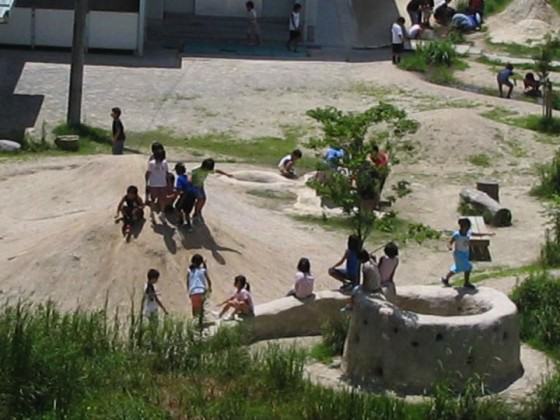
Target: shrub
[538,301]
[542,124]
[334,334]
[546,403]
[549,178]
[438,53]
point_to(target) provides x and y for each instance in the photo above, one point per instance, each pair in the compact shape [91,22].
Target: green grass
[481,159]
[437,74]
[390,228]
[497,273]
[519,50]
[492,7]
[529,122]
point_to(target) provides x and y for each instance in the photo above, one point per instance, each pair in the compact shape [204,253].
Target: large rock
[429,334]
[69,143]
[290,317]
[9,146]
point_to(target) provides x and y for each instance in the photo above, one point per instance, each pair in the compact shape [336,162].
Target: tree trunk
[498,215]
[74,117]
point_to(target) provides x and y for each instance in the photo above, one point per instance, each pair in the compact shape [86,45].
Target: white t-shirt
[252,15]
[294,21]
[303,286]
[284,161]
[196,282]
[414,31]
[150,304]
[397,34]
[158,173]
[462,241]
[245,296]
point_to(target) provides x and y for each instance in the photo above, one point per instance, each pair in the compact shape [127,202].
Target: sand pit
[524,22]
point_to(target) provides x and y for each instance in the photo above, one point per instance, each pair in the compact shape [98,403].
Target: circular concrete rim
[498,303]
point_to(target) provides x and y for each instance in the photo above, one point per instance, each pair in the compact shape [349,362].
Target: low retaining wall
[430,334]
[290,317]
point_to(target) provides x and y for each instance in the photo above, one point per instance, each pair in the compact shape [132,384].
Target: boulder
[291,317]
[9,146]
[69,143]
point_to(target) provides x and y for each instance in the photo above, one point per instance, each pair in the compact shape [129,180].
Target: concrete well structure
[428,334]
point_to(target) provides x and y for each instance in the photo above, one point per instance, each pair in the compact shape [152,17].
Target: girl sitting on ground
[303,286]
[350,275]
[242,301]
[387,267]
[198,284]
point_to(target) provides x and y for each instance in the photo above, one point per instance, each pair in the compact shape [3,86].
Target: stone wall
[410,351]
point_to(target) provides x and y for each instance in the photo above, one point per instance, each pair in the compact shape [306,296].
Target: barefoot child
[288,162]
[460,244]
[198,284]
[349,276]
[157,182]
[198,177]
[242,301]
[150,299]
[131,208]
[503,79]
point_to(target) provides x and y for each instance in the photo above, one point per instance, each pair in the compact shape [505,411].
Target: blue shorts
[199,192]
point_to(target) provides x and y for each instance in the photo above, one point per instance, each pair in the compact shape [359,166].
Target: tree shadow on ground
[201,238]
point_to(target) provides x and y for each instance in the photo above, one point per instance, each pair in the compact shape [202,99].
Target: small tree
[543,64]
[356,177]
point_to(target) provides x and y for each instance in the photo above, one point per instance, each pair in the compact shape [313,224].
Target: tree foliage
[357,133]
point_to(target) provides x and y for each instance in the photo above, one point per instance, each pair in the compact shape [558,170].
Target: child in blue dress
[460,245]
[350,275]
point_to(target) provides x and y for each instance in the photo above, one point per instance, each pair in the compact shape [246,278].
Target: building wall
[54,28]
[179,6]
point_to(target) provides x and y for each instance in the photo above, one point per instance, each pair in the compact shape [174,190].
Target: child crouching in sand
[130,208]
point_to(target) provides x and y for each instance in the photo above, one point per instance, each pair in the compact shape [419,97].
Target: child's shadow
[201,238]
[167,232]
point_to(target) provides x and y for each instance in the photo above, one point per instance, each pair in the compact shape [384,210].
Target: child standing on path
[118,132]
[198,177]
[295,28]
[150,299]
[460,244]
[198,284]
[503,79]
[397,39]
[242,301]
[253,31]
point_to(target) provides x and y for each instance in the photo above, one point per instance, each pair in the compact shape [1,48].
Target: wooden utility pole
[74,117]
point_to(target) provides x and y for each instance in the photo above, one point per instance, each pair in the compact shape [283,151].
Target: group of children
[165,191]
[295,27]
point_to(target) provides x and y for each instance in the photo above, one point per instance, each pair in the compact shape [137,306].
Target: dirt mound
[58,239]
[524,21]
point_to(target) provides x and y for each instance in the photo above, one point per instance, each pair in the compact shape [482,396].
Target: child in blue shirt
[350,275]
[503,79]
[186,196]
[460,245]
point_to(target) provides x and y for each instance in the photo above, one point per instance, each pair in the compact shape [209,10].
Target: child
[150,299]
[185,196]
[198,284]
[253,31]
[350,276]
[118,132]
[131,207]
[157,181]
[461,255]
[333,156]
[371,278]
[241,301]
[288,162]
[397,39]
[414,9]
[531,86]
[503,79]
[295,28]
[387,267]
[303,286]
[198,177]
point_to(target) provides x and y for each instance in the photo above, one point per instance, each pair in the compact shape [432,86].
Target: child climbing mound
[504,79]
[460,245]
[198,178]
[131,209]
